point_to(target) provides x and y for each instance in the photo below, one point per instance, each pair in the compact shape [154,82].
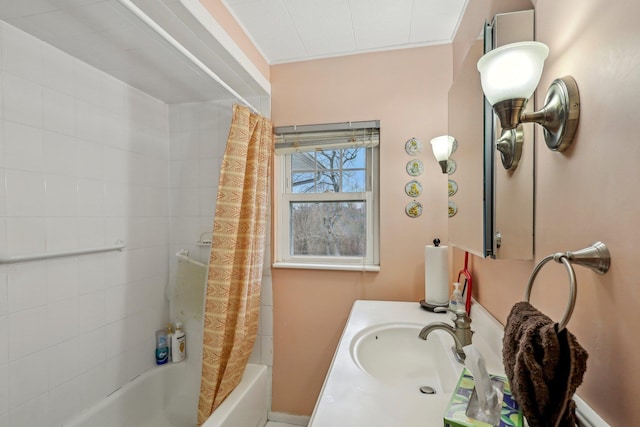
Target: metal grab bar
[183,254]
[596,257]
[119,245]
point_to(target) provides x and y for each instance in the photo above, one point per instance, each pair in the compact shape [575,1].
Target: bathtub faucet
[461,331]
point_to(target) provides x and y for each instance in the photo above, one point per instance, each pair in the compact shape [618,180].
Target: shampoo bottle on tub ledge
[178,344]
[162,347]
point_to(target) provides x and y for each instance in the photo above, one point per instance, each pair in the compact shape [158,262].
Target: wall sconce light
[442,147]
[510,75]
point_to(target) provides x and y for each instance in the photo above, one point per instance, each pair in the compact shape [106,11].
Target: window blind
[298,139]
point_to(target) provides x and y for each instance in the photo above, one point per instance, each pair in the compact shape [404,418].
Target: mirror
[466,102]
[493,205]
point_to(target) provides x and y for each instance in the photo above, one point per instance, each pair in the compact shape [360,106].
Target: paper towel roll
[436,275]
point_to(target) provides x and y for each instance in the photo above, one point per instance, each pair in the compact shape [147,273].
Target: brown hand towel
[544,367]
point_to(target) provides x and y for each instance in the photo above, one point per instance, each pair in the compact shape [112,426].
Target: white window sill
[340,267]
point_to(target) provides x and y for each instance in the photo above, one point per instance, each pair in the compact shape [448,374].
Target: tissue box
[455,416]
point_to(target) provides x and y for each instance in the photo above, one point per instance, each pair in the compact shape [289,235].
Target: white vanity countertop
[352,397]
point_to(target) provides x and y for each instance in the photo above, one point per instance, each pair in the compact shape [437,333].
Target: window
[327,207]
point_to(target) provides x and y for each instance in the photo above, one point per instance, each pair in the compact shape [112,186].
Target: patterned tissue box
[456,414]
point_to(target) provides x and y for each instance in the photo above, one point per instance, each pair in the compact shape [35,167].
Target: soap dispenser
[456,303]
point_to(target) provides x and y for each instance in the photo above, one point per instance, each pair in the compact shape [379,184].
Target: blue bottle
[162,347]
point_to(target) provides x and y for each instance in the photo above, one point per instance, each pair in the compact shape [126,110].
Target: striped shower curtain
[232,302]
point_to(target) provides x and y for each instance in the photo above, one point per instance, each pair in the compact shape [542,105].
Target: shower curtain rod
[119,245]
[183,50]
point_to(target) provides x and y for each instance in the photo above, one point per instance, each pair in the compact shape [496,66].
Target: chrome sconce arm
[444,164]
[560,115]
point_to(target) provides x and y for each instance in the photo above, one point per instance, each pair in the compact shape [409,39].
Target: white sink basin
[393,353]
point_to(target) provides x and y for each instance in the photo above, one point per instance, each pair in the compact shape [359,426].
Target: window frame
[284,196]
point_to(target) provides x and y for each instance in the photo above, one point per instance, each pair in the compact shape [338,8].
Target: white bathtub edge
[253,380]
[246,406]
[282,417]
[85,414]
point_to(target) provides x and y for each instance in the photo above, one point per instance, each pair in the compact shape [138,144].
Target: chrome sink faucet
[461,331]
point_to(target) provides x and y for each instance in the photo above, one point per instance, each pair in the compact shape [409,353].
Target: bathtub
[161,398]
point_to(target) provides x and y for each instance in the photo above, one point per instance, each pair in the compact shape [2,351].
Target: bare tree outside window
[329,228]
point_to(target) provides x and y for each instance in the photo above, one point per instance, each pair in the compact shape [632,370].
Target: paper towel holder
[428,305]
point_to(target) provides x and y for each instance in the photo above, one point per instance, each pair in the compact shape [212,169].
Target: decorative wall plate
[452,187]
[413,209]
[451,166]
[413,147]
[413,188]
[415,167]
[454,146]
[453,208]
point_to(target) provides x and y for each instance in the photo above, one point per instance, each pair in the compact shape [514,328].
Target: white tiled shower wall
[86,160]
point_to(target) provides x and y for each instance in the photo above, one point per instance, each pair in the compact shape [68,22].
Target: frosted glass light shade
[512,71]
[442,147]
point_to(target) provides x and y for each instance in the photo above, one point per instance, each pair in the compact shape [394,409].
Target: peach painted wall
[472,24]
[588,194]
[222,15]
[407,91]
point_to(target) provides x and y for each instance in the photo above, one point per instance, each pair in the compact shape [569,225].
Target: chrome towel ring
[596,257]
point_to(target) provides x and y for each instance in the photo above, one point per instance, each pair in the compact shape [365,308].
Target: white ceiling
[105,34]
[295,30]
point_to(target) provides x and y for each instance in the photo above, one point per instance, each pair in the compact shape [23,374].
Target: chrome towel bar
[118,246]
[596,257]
